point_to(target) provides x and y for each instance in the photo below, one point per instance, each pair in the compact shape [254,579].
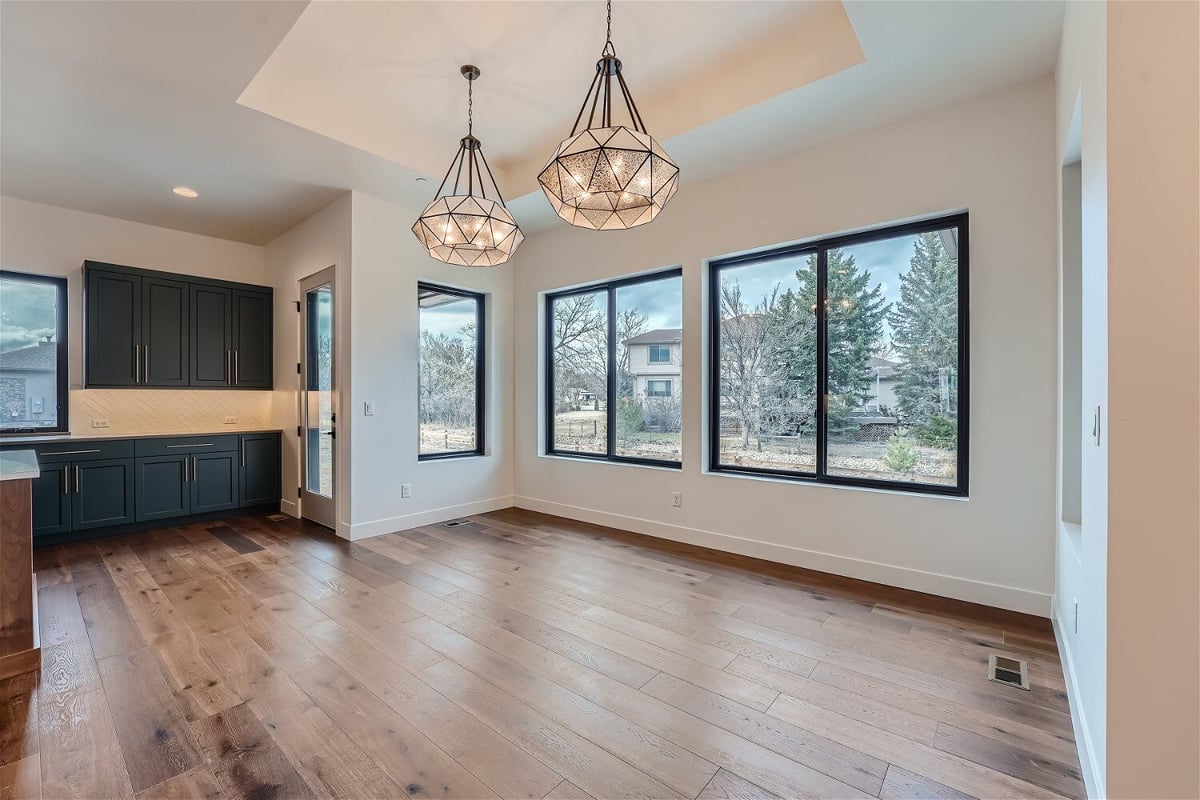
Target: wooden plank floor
[520,656]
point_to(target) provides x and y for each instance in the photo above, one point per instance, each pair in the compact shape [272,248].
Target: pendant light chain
[470,107]
[608,39]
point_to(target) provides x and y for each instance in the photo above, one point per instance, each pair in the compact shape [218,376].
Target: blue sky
[661,301]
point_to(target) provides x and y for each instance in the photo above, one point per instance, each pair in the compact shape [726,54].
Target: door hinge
[297,367]
[299,492]
[297,302]
[299,431]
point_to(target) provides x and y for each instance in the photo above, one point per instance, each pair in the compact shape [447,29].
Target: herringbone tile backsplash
[168,410]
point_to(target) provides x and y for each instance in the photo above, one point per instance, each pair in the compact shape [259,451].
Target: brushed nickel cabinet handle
[76,479]
[146,358]
[137,363]
[69,452]
[242,451]
[237,379]
[175,446]
[66,480]
[228,372]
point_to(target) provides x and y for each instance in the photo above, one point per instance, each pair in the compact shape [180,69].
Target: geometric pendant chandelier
[609,176]
[468,229]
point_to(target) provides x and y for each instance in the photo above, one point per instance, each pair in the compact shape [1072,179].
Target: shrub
[629,415]
[939,432]
[900,455]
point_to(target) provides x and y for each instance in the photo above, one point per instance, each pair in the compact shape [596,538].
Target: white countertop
[18,465]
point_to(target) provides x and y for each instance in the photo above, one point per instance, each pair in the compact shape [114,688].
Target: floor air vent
[1012,671]
[277,517]
[454,523]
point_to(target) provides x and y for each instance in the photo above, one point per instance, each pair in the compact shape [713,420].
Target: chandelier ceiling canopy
[609,176]
[471,230]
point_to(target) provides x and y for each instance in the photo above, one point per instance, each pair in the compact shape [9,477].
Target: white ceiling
[271,109]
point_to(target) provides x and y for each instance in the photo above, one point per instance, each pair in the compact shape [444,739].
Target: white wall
[387,263]
[321,241]
[1153,658]
[993,156]
[56,241]
[1082,550]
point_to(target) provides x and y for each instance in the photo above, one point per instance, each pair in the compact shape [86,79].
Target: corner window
[451,379]
[33,353]
[845,360]
[613,370]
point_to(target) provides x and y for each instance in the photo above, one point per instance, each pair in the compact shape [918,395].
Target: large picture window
[451,383]
[615,370]
[33,353]
[845,360]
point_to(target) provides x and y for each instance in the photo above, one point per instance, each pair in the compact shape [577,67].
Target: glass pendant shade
[470,230]
[609,176]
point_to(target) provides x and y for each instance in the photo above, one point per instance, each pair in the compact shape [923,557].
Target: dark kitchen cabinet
[118,484]
[103,493]
[164,332]
[211,336]
[252,340]
[214,485]
[154,329]
[260,469]
[52,500]
[114,328]
[162,489]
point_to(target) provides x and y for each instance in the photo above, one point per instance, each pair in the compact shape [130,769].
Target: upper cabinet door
[252,363]
[113,335]
[165,333]
[211,337]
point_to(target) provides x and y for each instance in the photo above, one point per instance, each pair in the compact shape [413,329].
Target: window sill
[804,481]
[664,467]
[426,458]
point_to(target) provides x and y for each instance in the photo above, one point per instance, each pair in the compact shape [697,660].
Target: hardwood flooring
[518,656]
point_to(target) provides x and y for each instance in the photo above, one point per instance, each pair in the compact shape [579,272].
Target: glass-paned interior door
[318,396]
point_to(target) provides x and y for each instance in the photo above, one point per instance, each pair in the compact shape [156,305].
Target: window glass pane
[768,364]
[449,356]
[650,369]
[580,381]
[29,368]
[893,359]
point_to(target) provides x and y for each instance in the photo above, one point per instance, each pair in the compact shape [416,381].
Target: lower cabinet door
[260,462]
[162,487]
[52,501]
[214,484]
[102,493]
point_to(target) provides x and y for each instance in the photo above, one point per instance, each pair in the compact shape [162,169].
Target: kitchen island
[19,650]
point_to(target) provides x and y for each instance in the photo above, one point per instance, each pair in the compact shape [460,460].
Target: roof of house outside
[659,336]
[39,358]
[886,368]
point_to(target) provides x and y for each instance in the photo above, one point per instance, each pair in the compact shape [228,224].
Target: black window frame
[610,289]
[62,369]
[820,248]
[480,370]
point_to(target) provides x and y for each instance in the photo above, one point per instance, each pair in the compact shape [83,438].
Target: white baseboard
[1014,598]
[1093,777]
[378,527]
[289,507]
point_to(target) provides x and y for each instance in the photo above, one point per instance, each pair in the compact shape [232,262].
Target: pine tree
[900,455]
[925,335]
[854,330]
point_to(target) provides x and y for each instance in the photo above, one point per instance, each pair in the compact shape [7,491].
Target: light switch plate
[101,423]
[369,408]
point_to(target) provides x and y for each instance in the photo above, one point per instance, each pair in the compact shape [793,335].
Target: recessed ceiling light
[185,191]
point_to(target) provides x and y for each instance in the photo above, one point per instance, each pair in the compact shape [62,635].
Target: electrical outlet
[1075,621]
[406,490]
[231,420]
[677,499]
[101,423]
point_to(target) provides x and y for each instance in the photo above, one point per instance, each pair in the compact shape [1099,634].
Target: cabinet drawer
[186,445]
[84,451]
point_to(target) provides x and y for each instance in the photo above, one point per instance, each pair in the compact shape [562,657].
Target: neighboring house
[655,360]
[28,386]
[882,399]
